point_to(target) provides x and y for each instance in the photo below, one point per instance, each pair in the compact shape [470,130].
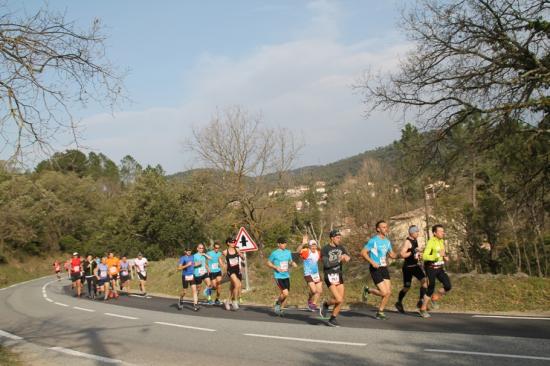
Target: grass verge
[8,358]
[33,267]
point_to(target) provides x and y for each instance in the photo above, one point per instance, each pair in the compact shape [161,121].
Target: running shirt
[378,250]
[310,261]
[114,265]
[57,266]
[331,256]
[124,269]
[76,265]
[432,251]
[412,260]
[214,261]
[233,262]
[89,268]
[141,264]
[281,259]
[187,272]
[200,270]
[102,271]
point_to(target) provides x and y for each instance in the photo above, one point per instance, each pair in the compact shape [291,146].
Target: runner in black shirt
[333,255]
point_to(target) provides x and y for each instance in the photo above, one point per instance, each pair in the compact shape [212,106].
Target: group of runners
[104,277]
[201,267]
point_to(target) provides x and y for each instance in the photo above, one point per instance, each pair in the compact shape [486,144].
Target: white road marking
[121,316]
[10,336]
[60,304]
[84,309]
[487,354]
[509,317]
[306,340]
[84,355]
[50,300]
[186,326]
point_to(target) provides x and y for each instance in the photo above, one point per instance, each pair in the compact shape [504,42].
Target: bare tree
[47,66]
[472,56]
[250,159]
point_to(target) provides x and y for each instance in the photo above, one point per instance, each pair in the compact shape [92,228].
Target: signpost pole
[247,287]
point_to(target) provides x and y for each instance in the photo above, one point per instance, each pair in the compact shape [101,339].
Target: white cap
[312,242]
[75,253]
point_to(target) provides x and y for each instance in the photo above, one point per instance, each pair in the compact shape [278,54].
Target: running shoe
[366,292]
[210,302]
[227,306]
[323,310]
[333,323]
[217,302]
[435,305]
[424,314]
[195,307]
[419,304]
[381,316]
[235,305]
[399,307]
[311,306]
[277,308]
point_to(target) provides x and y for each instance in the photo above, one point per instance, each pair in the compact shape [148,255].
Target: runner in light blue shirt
[280,261]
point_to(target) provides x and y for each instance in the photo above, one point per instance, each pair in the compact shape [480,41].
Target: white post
[247,287]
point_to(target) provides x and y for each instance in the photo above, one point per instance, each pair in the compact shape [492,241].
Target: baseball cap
[312,242]
[75,253]
[413,229]
[334,233]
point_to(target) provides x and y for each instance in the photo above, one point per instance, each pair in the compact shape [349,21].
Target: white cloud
[303,85]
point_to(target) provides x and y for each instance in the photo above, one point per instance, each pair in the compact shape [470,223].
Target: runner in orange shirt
[113,265]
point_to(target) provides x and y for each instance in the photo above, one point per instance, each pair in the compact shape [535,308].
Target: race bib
[233,262]
[383,261]
[283,266]
[76,269]
[215,266]
[202,271]
[189,277]
[103,274]
[112,270]
[439,263]
[124,273]
[334,278]
[315,277]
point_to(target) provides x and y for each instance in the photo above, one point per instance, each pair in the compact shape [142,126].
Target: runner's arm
[366,256]
[405,249]
[430,253]
[272,266]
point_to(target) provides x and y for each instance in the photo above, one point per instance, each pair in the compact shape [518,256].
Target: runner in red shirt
[76,273]
[57,269]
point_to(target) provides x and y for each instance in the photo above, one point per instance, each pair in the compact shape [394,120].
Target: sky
[295,62]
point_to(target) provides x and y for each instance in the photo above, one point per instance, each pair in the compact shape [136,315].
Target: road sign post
[245,244]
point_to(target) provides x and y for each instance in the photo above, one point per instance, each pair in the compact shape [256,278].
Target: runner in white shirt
[141,267]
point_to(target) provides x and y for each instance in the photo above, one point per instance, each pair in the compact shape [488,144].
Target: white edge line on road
[49,300]
[61,304]
[186,326]
[84,309]
[509,317]
[84,355]
[487,354]
[10,336]
[306,340]
[121,316]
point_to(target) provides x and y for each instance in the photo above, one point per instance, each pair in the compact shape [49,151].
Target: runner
[233,259]
[280,261]
[67,266]
[215,264]
[311,256]
[334,255]
[411,267]
[76,273]
[141,268]
[124,274]
[114,269]
[434,258]
[89,276]
[375,252]
[102,276]
[199,274]
[186,266]
[57,269]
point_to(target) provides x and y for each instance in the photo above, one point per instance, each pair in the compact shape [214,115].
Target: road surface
[41,320]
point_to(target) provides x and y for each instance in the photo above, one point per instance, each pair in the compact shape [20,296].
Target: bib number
[283,266]
[103,274]
[315,277]
[112,270]
[189,277]
[439,263]
[233,262]
[214,266]
[76,269]
[383,261]
[124,273]
[334,278]
[202,271]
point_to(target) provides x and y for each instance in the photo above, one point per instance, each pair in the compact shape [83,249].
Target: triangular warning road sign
[245,242]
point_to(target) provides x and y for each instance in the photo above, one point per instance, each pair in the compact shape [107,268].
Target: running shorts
[409,272]
[379,274]
[315,278]
[237,273]
[283,283]
[199,279]
[214,275]
[124,278]
[187,280]
[333,278]
[75,277]
[142,276]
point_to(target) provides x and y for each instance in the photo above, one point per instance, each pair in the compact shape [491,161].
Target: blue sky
[293,61]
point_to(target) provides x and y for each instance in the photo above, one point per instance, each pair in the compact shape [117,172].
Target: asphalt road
[42,321]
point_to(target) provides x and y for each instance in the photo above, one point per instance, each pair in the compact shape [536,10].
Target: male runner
[199,274]
[89,275]
[375,252]
[411,267]
[124,274]
[233,259]
[311,256]
[215,264]
[76,273]
[57,269]
[141,268]
[114,269]
[186,265]
[434,258]
[102,276]
[280,261]
[334,255]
